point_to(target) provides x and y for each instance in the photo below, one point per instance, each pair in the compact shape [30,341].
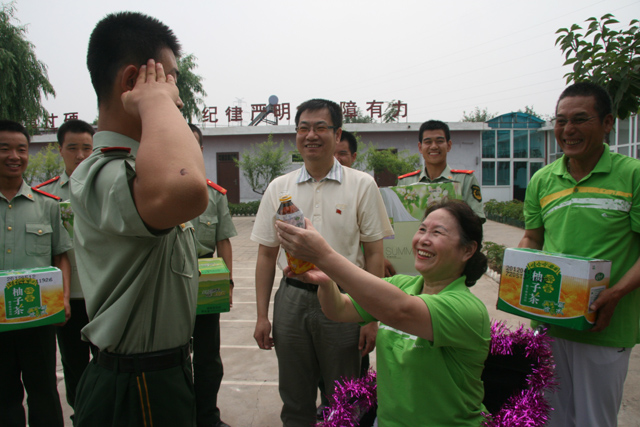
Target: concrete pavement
[249,393]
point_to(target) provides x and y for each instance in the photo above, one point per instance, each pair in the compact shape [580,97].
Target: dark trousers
[207,368]
[109,397]
[28,362]
[74,352]
[364,369]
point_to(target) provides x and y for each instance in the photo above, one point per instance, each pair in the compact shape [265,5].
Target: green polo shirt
[598,217]
[465,183]
[32,231]
[214,224]
[433,383]
[140,286]
[60,187]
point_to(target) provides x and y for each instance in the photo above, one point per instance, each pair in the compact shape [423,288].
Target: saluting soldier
[75,143]
[213,230]
[32,236]
[136,251]
[434,142]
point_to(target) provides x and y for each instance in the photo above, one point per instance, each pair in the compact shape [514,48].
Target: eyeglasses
[318,129]
[437,141]
[576,121]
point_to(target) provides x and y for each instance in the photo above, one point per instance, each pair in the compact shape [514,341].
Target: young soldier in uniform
[587,203]
[434,142]
[75,142]
[213,230]
[347,207]
[32,236]
[136,256]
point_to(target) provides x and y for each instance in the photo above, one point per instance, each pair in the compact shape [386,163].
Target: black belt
[153,361]
[209,255]
[301,285]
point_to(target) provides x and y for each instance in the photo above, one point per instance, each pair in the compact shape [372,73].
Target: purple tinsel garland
[527,408]
[351,400]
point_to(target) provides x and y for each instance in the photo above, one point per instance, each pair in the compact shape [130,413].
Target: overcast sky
[441,58]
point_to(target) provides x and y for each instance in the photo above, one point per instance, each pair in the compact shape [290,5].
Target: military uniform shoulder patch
[467,171]
[216,187]
[410,174]
[106,150]
[475,191]
[44,193]
[42,184]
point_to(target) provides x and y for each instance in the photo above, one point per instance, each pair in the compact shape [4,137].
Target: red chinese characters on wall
[400,108]
[375,107]
[209,115]
[70,116]
[280,110]
[349,109]
[234,114]
[257,109]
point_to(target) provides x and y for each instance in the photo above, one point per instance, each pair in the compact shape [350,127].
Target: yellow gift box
[30,298]
[552,288]
[213,289]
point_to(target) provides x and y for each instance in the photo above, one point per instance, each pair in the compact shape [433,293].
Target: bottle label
[295,218]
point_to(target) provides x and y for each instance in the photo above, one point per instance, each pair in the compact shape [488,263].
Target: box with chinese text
[30,298]
[213,289]
[552,288]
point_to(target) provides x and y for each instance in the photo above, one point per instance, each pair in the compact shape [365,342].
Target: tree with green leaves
[265,162]
[478,115]
[397,163]
[360,163]
[360,118]
[534,113]
[607,57]
[23,78]
[530,111]
[44,165]
[190,86]
[390,114]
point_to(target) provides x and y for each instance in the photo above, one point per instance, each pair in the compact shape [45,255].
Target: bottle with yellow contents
[291,214]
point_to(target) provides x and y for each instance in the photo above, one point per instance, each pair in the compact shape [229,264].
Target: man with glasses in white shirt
[346,207]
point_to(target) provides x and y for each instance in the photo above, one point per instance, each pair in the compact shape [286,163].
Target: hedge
[511,212]
[244,209]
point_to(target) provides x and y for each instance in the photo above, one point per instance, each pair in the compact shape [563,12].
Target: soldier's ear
[127,78]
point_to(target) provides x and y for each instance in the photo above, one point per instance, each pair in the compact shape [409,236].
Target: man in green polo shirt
[75,143]
[32,236]
[587,203]
[434,142]
[136,252]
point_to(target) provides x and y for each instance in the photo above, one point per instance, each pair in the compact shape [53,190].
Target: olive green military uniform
[75,353]
[467,185]
[32,233]
[140,288]
[215,224]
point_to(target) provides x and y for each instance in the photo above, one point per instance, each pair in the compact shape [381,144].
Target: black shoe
[221,424]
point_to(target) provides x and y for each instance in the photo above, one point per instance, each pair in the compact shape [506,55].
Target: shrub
[511,212]
[244,209]
[495,254]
